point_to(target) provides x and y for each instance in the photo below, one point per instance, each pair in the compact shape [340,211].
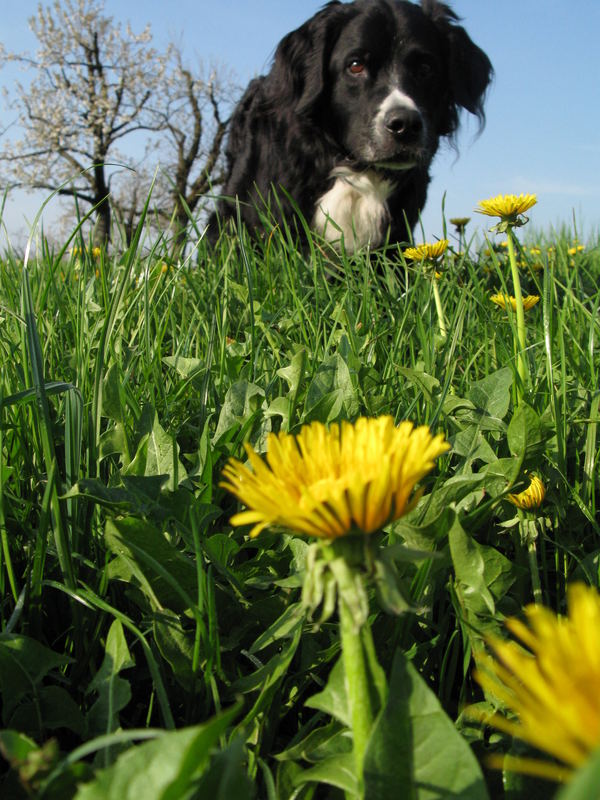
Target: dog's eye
[356,67]
[423,69]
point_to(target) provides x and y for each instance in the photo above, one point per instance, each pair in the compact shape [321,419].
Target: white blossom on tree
[99,96]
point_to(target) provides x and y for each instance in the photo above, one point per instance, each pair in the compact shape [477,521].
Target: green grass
[129,606]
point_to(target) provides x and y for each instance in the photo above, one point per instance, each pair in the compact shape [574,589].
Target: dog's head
[383,78]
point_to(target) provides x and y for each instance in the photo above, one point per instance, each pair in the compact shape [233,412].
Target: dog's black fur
[346,123]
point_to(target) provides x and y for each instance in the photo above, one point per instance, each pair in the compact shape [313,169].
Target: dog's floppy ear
[301,59]
[469,69]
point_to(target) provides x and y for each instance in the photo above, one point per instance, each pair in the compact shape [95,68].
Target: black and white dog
[345,125]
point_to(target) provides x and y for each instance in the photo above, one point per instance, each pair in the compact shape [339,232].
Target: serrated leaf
[24,662]
[333,700]
[337,771]
[165,768]
[526,435]
[492,394]
[164,574]
[414,745]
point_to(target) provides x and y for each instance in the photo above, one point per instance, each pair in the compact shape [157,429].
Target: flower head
[331,482]
[528,301]
[507,206]
[553,686]
[427,252]
[531,497]
[460,223]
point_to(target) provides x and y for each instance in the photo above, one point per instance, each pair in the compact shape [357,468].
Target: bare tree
[92,87]
[189,114]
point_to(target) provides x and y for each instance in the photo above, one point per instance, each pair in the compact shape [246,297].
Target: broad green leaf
[157,454]
[333,700]
[282,628]
[483,576]
[24,662]
[469,570]
[320,743]
[336,771]
[419,378]
[332,389]
[585,784]
[176,646]
[135,495]
[414,745]
[165,575]
[492,393]
[165,768]
[186,367]
[526,434]
[241,402]
[227,776]
[113,395]
[294,373]
[114,693]
[52,707]
[471,445]
[114,442]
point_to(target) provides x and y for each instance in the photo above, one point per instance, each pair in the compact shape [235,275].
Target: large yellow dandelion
[331,482]
[552,686]
[507,206]
[530,498]
[427,252]
[503,300]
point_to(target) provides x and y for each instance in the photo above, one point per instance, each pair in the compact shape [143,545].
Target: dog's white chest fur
[354,211]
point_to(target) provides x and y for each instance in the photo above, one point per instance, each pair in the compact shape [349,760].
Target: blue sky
[543,109]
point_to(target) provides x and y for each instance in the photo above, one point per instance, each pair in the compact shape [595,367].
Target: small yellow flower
[164,268]
[460,223]
[572,251]
[507,206]
[332,482]
[531,497]
[528,301]
[427,252]
[553,686]
[96,252]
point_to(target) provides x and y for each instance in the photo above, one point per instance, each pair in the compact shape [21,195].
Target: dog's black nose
[403,123]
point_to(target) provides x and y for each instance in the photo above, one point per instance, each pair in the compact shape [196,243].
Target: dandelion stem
[521,340]
[357,684]
[529,536]
[439,308]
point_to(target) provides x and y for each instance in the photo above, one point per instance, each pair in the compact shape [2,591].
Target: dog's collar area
[393,166]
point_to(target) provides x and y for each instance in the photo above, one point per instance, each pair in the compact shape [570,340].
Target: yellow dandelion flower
[460,223]
[427,252]
[331,482]
[531,497]
[572,251]
[528,301]
[506,206]
[553,686]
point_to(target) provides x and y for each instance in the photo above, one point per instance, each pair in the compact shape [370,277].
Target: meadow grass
[133,613]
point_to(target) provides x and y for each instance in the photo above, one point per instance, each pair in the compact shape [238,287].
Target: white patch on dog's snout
[354,211]
[396,99]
